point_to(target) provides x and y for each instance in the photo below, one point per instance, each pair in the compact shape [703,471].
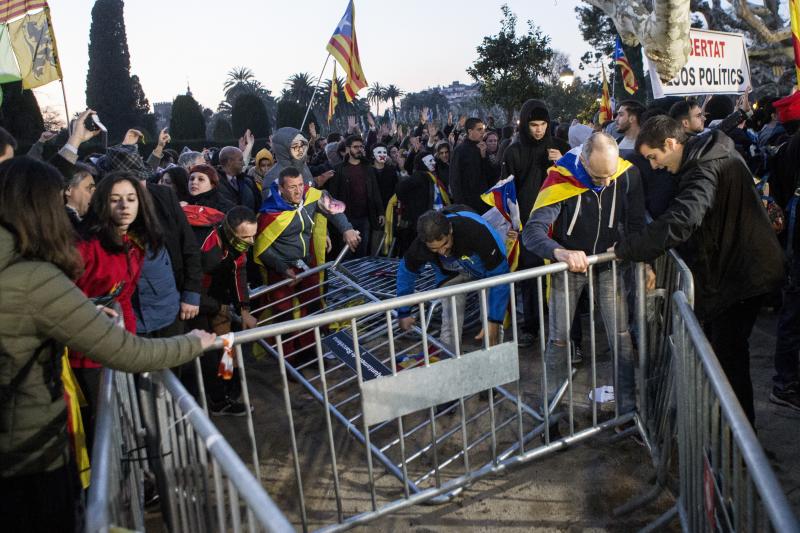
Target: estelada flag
[344,47]
[628,77]
[275,216]
[35,47]
[503,198]
[568,178]
[606,112]
[334,97]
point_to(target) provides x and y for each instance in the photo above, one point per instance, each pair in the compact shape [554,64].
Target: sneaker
[787,397]
[577,354]
[228,407]
[526,340]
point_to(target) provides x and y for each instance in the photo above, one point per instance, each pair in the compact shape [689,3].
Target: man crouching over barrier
[460,246]
[589,200]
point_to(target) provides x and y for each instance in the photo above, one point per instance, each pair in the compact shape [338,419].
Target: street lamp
[566,77]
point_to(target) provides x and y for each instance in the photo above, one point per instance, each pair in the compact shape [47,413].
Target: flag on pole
[35,47]
[343,46]
[333,100]
[794,15]
[606,111]
[628,77]
[11,9]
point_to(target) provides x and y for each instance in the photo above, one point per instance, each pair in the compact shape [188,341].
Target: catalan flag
[344,47]
[11,9]
[628,77]
[794,15]
[568,178]
[503,198]
[333,100]
[606,112]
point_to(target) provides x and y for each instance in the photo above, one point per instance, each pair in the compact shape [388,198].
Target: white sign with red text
[717,65]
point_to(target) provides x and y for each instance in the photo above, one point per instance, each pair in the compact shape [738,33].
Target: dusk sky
[413,44]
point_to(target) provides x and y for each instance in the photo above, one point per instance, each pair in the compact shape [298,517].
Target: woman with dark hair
[492,140]
[204,189]
[120,227]
[177,178]
[41,311]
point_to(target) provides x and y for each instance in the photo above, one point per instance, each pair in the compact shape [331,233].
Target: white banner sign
[717,65]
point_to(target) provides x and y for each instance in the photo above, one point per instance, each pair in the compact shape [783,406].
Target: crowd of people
[172,243]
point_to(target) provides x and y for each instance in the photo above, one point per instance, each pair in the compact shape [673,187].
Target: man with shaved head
[590,198]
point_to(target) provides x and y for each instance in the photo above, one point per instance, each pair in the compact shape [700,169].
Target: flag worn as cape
[628,77]
[568,178]
[503,198]
[343,46]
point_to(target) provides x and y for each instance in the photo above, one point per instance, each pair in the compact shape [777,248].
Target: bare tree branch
[745,12]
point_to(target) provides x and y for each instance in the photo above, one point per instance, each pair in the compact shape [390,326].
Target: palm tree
[238,75]
[391,92]
[300,88]
[376,94]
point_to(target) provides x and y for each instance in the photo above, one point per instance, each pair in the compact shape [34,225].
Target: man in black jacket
[468,168]
[722,231]
[354,183]
[234,184]
[527,159]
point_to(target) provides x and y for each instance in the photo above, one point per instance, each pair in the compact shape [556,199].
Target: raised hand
[132,136]
[81,134]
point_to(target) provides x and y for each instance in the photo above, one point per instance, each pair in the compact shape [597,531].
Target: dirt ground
[573,490]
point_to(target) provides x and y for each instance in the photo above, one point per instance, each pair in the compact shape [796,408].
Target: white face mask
[430,162]
[381,155]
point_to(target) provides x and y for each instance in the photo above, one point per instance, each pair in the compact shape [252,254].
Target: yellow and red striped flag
[344,47]
[11,9]
[333,100]
[606,112]
[794,15]
[628,77]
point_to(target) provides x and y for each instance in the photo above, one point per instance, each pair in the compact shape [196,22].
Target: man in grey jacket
[290,236]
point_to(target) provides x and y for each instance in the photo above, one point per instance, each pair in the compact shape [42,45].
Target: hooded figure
[527,158]
[281,146]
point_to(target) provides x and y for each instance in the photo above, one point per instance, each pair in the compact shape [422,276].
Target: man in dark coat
[468,168]
[722,231]
[234,184]
[528,159]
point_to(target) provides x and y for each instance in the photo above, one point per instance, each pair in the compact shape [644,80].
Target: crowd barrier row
[433,415]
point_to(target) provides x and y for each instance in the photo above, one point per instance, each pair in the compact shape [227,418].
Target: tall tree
[109,87]
[375,95]
[511,67]
[299,88]
[20,113]
[392,93]
[250,113]
[290,114]
[187,122]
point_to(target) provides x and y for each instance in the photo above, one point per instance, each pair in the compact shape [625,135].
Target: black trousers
[46,502]
[729,334]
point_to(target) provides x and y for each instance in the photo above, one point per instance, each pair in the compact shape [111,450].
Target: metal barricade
[433,416]
[726,482]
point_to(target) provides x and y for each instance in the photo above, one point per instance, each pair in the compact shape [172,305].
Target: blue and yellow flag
[344,47]
[503,197]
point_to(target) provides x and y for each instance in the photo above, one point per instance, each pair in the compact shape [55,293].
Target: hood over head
[533,110]
[264,154]
[281,142]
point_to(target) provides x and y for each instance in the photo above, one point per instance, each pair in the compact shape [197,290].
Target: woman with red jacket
[119,228]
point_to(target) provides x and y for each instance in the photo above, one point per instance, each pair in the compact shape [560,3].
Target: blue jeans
[787,345]
[609,303]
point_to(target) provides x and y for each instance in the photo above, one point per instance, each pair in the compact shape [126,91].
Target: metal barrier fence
[421,407]
[116,491]
[726,482]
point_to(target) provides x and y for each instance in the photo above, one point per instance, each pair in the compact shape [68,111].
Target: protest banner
[717,65]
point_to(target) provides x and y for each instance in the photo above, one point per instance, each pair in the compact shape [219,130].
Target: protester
[720,228]
[264,161]
[176,178]
[42,311]
[291,151]
[493,163]
[690,115]
[468,169]
[442,152]
[204,189]
[603,202]
[236,186]
[628,121]
[7,145]
[78,193]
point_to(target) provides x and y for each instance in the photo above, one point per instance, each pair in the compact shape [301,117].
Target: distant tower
[188,89]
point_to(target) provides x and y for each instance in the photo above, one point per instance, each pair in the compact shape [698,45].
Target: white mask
[430,162]
[381,155]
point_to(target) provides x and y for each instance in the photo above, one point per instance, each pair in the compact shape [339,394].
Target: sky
[413,44]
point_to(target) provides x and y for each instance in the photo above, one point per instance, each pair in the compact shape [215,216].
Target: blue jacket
[478,251]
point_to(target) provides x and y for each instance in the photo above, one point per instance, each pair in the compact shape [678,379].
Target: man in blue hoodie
[460,246]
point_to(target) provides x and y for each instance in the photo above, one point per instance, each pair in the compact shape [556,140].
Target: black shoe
[786,397]
[577,354]
[228,407]
[526,340]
